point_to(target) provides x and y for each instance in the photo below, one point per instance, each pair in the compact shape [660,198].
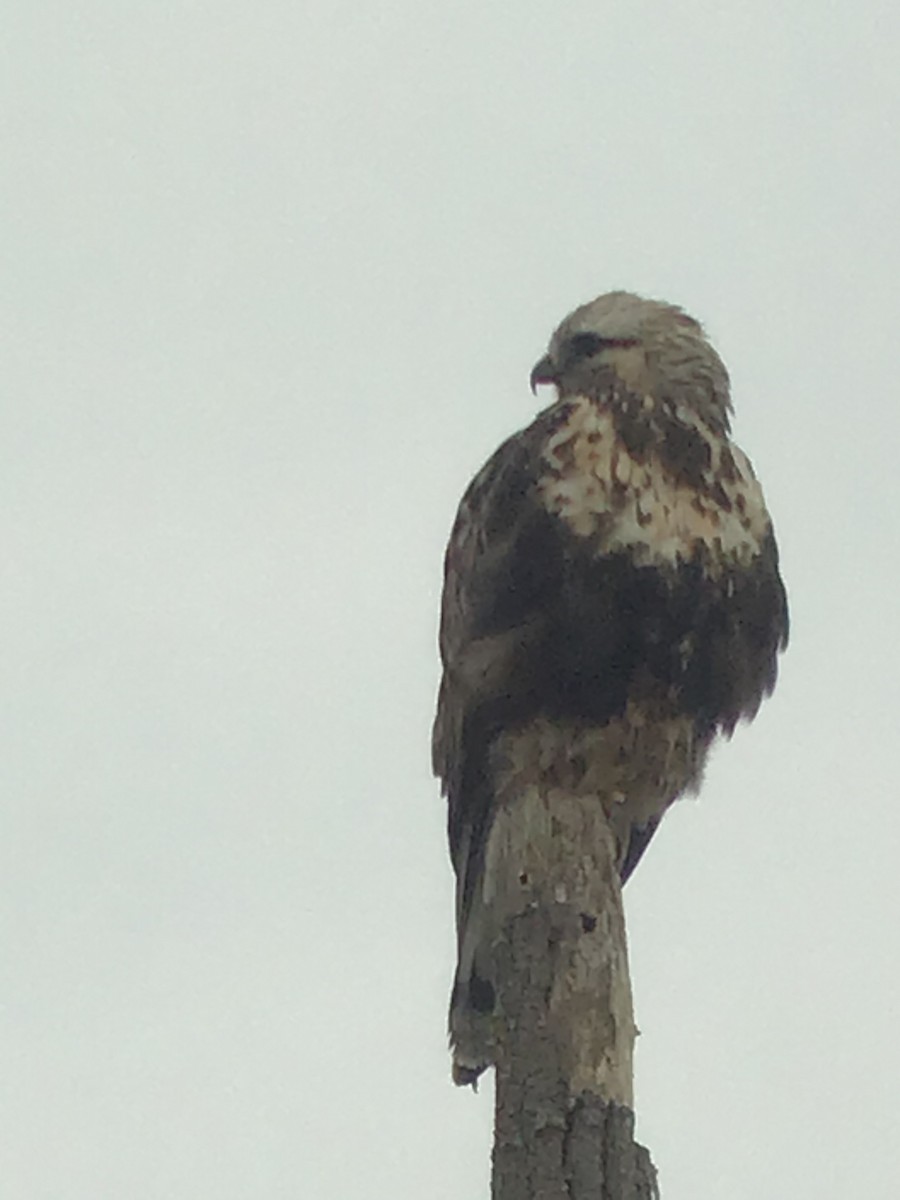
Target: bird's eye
[584,345]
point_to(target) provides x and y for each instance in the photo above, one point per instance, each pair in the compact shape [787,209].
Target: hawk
[611,604]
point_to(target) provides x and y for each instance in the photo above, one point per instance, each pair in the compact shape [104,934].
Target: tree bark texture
[564,1120]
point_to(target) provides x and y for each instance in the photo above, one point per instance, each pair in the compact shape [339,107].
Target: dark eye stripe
[583,345]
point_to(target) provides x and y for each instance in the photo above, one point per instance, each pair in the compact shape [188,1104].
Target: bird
[611,605]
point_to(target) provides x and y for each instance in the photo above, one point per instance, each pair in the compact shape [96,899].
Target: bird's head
[652,348]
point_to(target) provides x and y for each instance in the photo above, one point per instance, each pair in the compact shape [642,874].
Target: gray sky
[274,278]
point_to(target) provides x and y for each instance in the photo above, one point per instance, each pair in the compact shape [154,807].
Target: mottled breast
[639,498]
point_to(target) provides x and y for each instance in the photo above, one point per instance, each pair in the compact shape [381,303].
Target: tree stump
[565,1040]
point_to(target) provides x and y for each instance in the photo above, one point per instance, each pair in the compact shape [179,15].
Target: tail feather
[471,1026]
[472,1001]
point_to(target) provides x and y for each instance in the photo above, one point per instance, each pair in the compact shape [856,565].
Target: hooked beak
[544,372]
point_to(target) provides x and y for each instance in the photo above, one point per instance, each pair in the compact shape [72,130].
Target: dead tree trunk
[564,1120]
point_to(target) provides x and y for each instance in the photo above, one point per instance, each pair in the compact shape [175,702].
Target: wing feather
[501,570]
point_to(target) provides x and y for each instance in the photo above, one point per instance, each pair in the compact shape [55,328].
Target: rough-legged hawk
[611,601]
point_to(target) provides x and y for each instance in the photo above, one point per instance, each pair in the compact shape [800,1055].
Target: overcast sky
[274,276]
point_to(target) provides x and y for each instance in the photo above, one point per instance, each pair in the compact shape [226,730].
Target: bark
[564,1120]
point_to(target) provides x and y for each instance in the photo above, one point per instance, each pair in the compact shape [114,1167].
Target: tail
[472,1019]
[471,1024]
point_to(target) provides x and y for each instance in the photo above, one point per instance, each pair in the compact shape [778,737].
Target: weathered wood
[565,1034]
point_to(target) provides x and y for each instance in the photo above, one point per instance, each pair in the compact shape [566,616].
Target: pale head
[652,348]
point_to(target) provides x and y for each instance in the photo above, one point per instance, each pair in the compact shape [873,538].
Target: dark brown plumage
[611,602]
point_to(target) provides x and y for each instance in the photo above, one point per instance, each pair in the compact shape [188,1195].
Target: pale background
[274,276]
